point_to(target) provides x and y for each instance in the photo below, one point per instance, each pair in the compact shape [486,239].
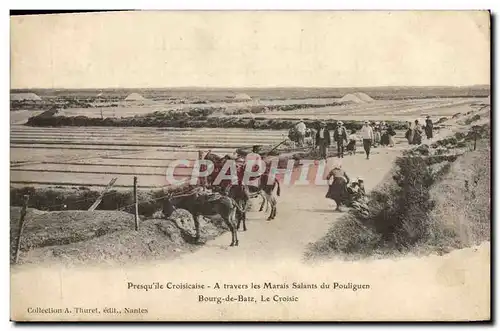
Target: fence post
[475,139]
[21,225]
[136,205]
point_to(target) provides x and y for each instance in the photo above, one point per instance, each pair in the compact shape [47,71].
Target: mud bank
[55,199]
[75,236]
[189,120]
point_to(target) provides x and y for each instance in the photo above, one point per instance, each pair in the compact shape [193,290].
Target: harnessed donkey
[199,204]
[234,188]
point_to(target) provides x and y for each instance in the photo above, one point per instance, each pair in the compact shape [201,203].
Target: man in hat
[301,132]
[323,139]
[429,126]
[340,136]
[367,135]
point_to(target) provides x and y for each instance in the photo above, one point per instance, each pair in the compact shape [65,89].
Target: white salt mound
[358,97]
[134,97]
[363,96]
[242,96]
[351,98]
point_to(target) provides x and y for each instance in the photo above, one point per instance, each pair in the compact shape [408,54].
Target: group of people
[344,191]
[372,135]
[414,131]
[322,137]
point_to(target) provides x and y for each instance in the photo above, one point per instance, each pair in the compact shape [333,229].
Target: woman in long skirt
[376,135]
[337,190]
[417,136]
[410,133]
[391,133]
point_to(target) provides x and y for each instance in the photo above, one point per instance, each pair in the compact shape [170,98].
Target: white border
[257,4]
[493,5]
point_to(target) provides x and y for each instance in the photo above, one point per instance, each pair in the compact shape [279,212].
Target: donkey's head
[168,204]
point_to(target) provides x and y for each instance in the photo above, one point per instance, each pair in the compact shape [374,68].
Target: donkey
[204,205]
[266,190]
[227,187]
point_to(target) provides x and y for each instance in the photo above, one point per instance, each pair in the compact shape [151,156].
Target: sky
[250,49]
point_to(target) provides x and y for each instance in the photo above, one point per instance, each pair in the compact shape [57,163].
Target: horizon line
[250,87]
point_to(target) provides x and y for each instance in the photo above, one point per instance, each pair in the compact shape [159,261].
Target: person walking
[367,135]
[337,191]
[351,146]
[340,136]
[301,132]
[323,140]
[391,133]
[429,126]
[376,135]
[417,133]
[409,133]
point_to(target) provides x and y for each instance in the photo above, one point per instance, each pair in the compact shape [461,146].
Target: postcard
[250,166]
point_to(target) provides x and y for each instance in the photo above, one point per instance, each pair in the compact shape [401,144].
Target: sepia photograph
[211,166]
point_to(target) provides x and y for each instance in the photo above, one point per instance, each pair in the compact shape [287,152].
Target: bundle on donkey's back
[238,188]
[203,203]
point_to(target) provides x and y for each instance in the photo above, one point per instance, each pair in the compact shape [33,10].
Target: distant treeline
[195,118]
[202,95]
[54,103]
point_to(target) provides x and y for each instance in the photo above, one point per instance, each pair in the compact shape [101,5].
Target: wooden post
[136,205]
[21,225]
[101,196]
[475,139]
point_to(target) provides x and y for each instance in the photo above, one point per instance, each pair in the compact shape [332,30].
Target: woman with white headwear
[337,190]
[376,134]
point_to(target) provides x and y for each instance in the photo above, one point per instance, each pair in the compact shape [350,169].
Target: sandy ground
[450,287]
